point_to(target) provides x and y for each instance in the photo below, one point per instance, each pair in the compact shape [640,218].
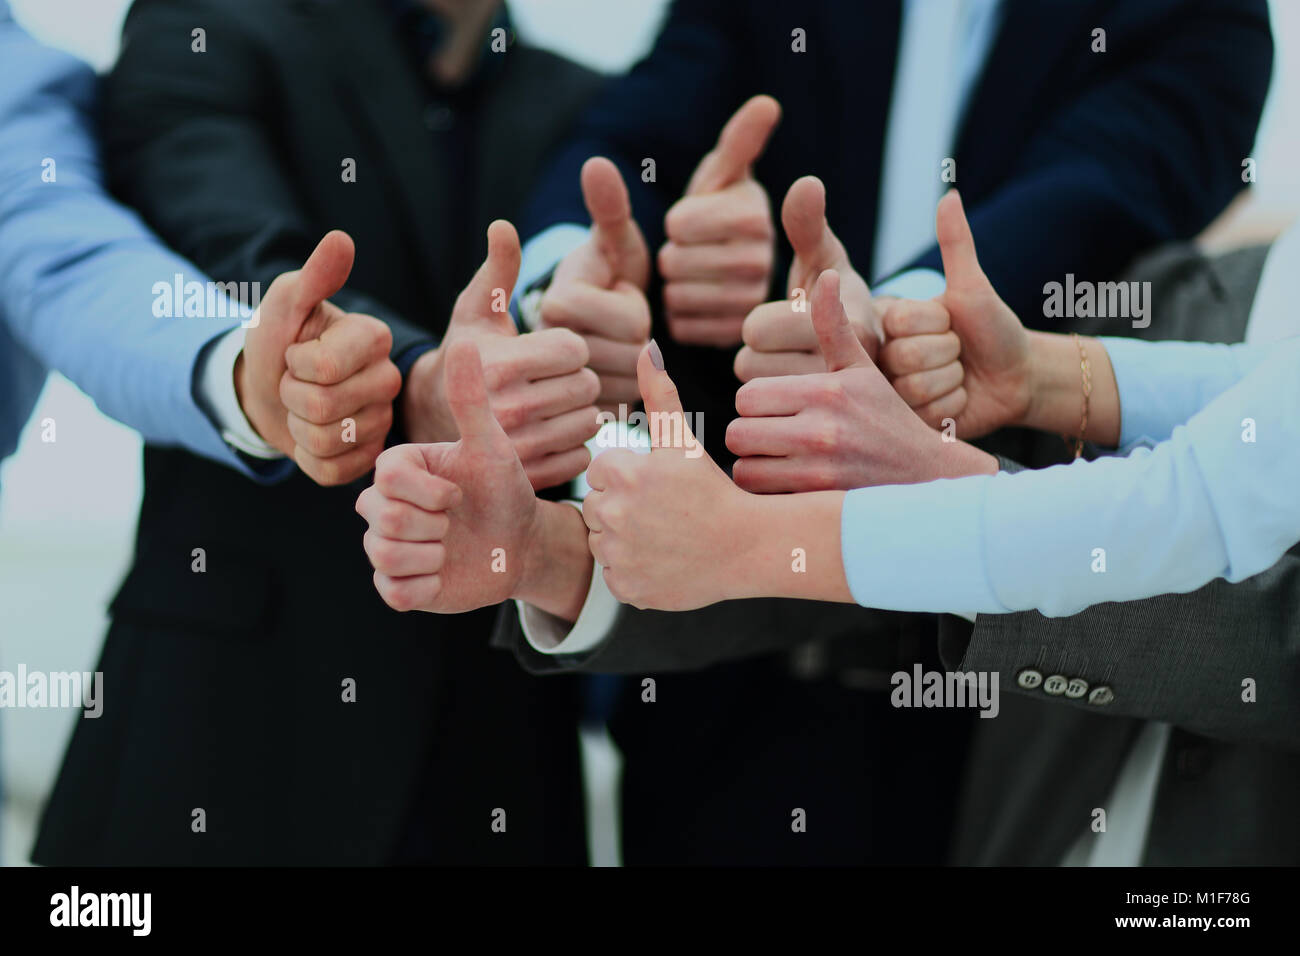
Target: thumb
[663,406]
[290,311]
[325,272]
[840,346]
[615,232]
[487,297]
[740,144]
[961,267]
[467,394]
[606,197]
[803,214]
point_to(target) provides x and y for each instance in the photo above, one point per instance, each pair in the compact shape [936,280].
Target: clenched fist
[598,289]
[315,381]
[717,262]
[537,384]
[779,336]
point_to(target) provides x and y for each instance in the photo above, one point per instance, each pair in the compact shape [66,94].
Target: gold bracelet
[1086,372]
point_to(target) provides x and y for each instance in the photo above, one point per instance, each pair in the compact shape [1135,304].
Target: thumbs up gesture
[537,384]
[840,429]
[717,262]
[450,523]
[652,517]
[315,381]
[598,289]
[778,336]
[992,385]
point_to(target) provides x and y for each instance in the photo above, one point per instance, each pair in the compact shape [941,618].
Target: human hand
[990,386]
[717,261]
[598,289]
[779,337]
[315,381]
[450,523]
[664,525]
[538,385]
[841,429]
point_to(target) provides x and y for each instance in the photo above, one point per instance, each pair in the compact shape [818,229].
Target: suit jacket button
[1055,685]
[1101,695]
[1029,679]
[1076,688]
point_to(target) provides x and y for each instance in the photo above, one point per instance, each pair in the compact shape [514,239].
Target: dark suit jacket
[1231,778]
[1068,160]
[228,683]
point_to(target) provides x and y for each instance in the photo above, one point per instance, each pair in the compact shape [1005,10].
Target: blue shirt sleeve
[1163,384]
[1216,500]
[78,271]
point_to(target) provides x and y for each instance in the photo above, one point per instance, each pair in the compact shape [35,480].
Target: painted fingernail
[656,356]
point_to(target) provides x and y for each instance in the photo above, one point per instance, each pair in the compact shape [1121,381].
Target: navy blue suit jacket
[1068,160]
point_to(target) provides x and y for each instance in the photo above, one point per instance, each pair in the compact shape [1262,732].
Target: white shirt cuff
[216,383]
[552,635]
[541,254]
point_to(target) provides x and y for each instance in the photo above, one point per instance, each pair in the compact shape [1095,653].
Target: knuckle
[381,551]
[318,440]
[332,473]
[496,375]
[390,519]
[514,414]
[325,368]
[830,392]
[669,260]
[390,381]
[743,366]
[588,386]
[572,348]
[317,407]
[824,439]
[909,390]
[381,336]
[396,595]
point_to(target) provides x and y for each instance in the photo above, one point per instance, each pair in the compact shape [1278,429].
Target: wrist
[961,459]
[557,564]
[425,416]
[795,551]
[249,406]
[1054,383]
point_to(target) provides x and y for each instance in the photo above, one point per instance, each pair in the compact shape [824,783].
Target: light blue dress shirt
[77,270]
[1215,498]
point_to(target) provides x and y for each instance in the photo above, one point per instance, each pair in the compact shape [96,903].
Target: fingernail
[656,356]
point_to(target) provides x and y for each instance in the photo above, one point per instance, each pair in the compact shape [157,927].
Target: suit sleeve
[648,642]
[182,126]
[641,116]
[1151,151]
[1223,661]
[1178,658]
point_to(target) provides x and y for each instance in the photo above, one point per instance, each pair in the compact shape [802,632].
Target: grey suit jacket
[1230,784]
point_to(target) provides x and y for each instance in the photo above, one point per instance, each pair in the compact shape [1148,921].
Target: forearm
[558,567]
[787,546]
[1057,391]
